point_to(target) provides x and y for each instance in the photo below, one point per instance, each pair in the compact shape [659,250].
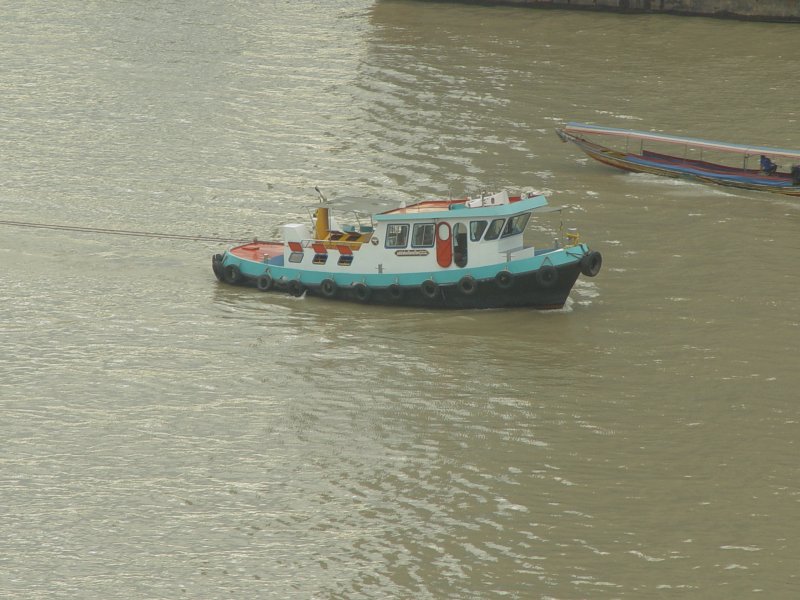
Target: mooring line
[150,234]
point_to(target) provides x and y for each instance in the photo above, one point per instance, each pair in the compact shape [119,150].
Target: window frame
[496,236]
[512,221]
[472,236]
[389,236]
[432,227]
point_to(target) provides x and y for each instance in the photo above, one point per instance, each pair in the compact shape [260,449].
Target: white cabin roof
[444,209]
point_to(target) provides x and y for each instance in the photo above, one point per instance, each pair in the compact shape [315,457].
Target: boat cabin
[428,235]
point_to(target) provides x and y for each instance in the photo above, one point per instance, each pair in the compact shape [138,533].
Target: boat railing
[358,216]
[363,221]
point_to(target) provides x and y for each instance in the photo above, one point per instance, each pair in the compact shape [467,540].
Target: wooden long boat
[689,158]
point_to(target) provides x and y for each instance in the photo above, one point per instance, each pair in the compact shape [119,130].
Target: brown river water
[166,436]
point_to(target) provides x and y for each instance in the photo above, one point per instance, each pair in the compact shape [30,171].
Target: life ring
[361,291]
[395,291]
[429,288]
[231,274]
[591,263]
[328,288]
[264,283]
[467,285]
[216,266]
[504,279]
[295,288]
[546,276]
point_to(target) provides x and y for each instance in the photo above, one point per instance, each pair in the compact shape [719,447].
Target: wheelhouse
[459,233]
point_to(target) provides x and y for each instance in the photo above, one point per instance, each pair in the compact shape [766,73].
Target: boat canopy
[578,128]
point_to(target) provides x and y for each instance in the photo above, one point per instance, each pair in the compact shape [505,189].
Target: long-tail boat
[465,253]
[691,158]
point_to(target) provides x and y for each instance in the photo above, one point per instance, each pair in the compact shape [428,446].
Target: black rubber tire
[231,274]
[467,285]
[295,288]
[395,292]
[362,292]
[429,288]
[328,288]
[265,282]
[504,279]
[591,263]
[547,276]
[216,266]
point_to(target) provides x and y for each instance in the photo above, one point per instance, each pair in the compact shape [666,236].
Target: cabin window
[476,229]
[422,237]
[345,260]
[296,257]
[320,259]
[460,245]
[396,236]
[516,224]
[494,229]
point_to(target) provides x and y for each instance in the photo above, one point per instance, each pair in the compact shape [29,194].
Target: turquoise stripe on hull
[555,258]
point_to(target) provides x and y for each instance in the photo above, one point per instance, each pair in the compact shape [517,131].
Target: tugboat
[466,253]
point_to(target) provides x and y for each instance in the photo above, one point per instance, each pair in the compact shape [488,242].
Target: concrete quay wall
[762,10]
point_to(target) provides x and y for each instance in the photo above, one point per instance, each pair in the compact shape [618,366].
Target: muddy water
[167,436]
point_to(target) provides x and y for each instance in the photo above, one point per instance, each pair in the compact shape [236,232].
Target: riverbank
[757,10]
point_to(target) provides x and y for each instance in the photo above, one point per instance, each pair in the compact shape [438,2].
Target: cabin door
[444,248]
[460,245]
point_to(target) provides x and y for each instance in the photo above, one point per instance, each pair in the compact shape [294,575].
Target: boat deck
[268,252]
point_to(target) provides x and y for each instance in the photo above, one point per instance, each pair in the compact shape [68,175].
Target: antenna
[321,195]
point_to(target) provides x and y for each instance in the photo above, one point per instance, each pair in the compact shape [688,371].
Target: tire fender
[328,288]
[216,266]
[504,279]
[591,263]
[362,292]
[395,291]
[429,288]
[467,285]
[231,274]
[264,283]
[295,288]
[547,276]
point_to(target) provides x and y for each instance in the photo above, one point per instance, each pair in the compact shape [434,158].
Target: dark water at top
[165,436]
